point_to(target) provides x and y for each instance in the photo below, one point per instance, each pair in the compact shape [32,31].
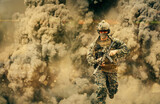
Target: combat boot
[111,96]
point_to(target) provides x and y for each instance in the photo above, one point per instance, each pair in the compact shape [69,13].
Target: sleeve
[121,47]
[90,55]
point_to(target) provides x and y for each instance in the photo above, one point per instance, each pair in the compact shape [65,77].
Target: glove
[98,61]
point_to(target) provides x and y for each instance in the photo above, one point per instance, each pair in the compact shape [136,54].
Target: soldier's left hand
[113,52]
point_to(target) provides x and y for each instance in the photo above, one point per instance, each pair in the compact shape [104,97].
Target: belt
[109,68]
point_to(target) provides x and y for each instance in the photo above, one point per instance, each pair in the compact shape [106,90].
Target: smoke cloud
[47,63]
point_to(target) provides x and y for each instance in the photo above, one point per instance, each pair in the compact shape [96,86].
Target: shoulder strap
[110,45]
[111,42]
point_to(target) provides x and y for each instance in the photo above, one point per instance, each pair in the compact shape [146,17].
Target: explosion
[46,63]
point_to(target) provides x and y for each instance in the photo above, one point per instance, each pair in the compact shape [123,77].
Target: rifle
[106,55]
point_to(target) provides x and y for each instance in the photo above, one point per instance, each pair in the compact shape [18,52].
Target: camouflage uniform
[106,77]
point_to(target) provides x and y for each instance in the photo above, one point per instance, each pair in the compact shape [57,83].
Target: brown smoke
[47,64]
[7,9]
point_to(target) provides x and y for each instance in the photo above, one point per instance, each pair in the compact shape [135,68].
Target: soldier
[106,76]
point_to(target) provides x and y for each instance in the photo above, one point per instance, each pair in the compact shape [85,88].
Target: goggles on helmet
[103,31]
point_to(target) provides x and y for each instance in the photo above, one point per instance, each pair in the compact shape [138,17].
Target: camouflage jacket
[95,50]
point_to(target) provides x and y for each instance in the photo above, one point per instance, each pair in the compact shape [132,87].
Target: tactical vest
[100,44]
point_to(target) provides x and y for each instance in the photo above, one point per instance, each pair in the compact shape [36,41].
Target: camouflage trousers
[106,82]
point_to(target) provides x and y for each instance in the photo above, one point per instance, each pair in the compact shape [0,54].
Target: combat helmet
[103,26]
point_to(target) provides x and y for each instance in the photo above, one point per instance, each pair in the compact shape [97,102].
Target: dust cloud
[47,63]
